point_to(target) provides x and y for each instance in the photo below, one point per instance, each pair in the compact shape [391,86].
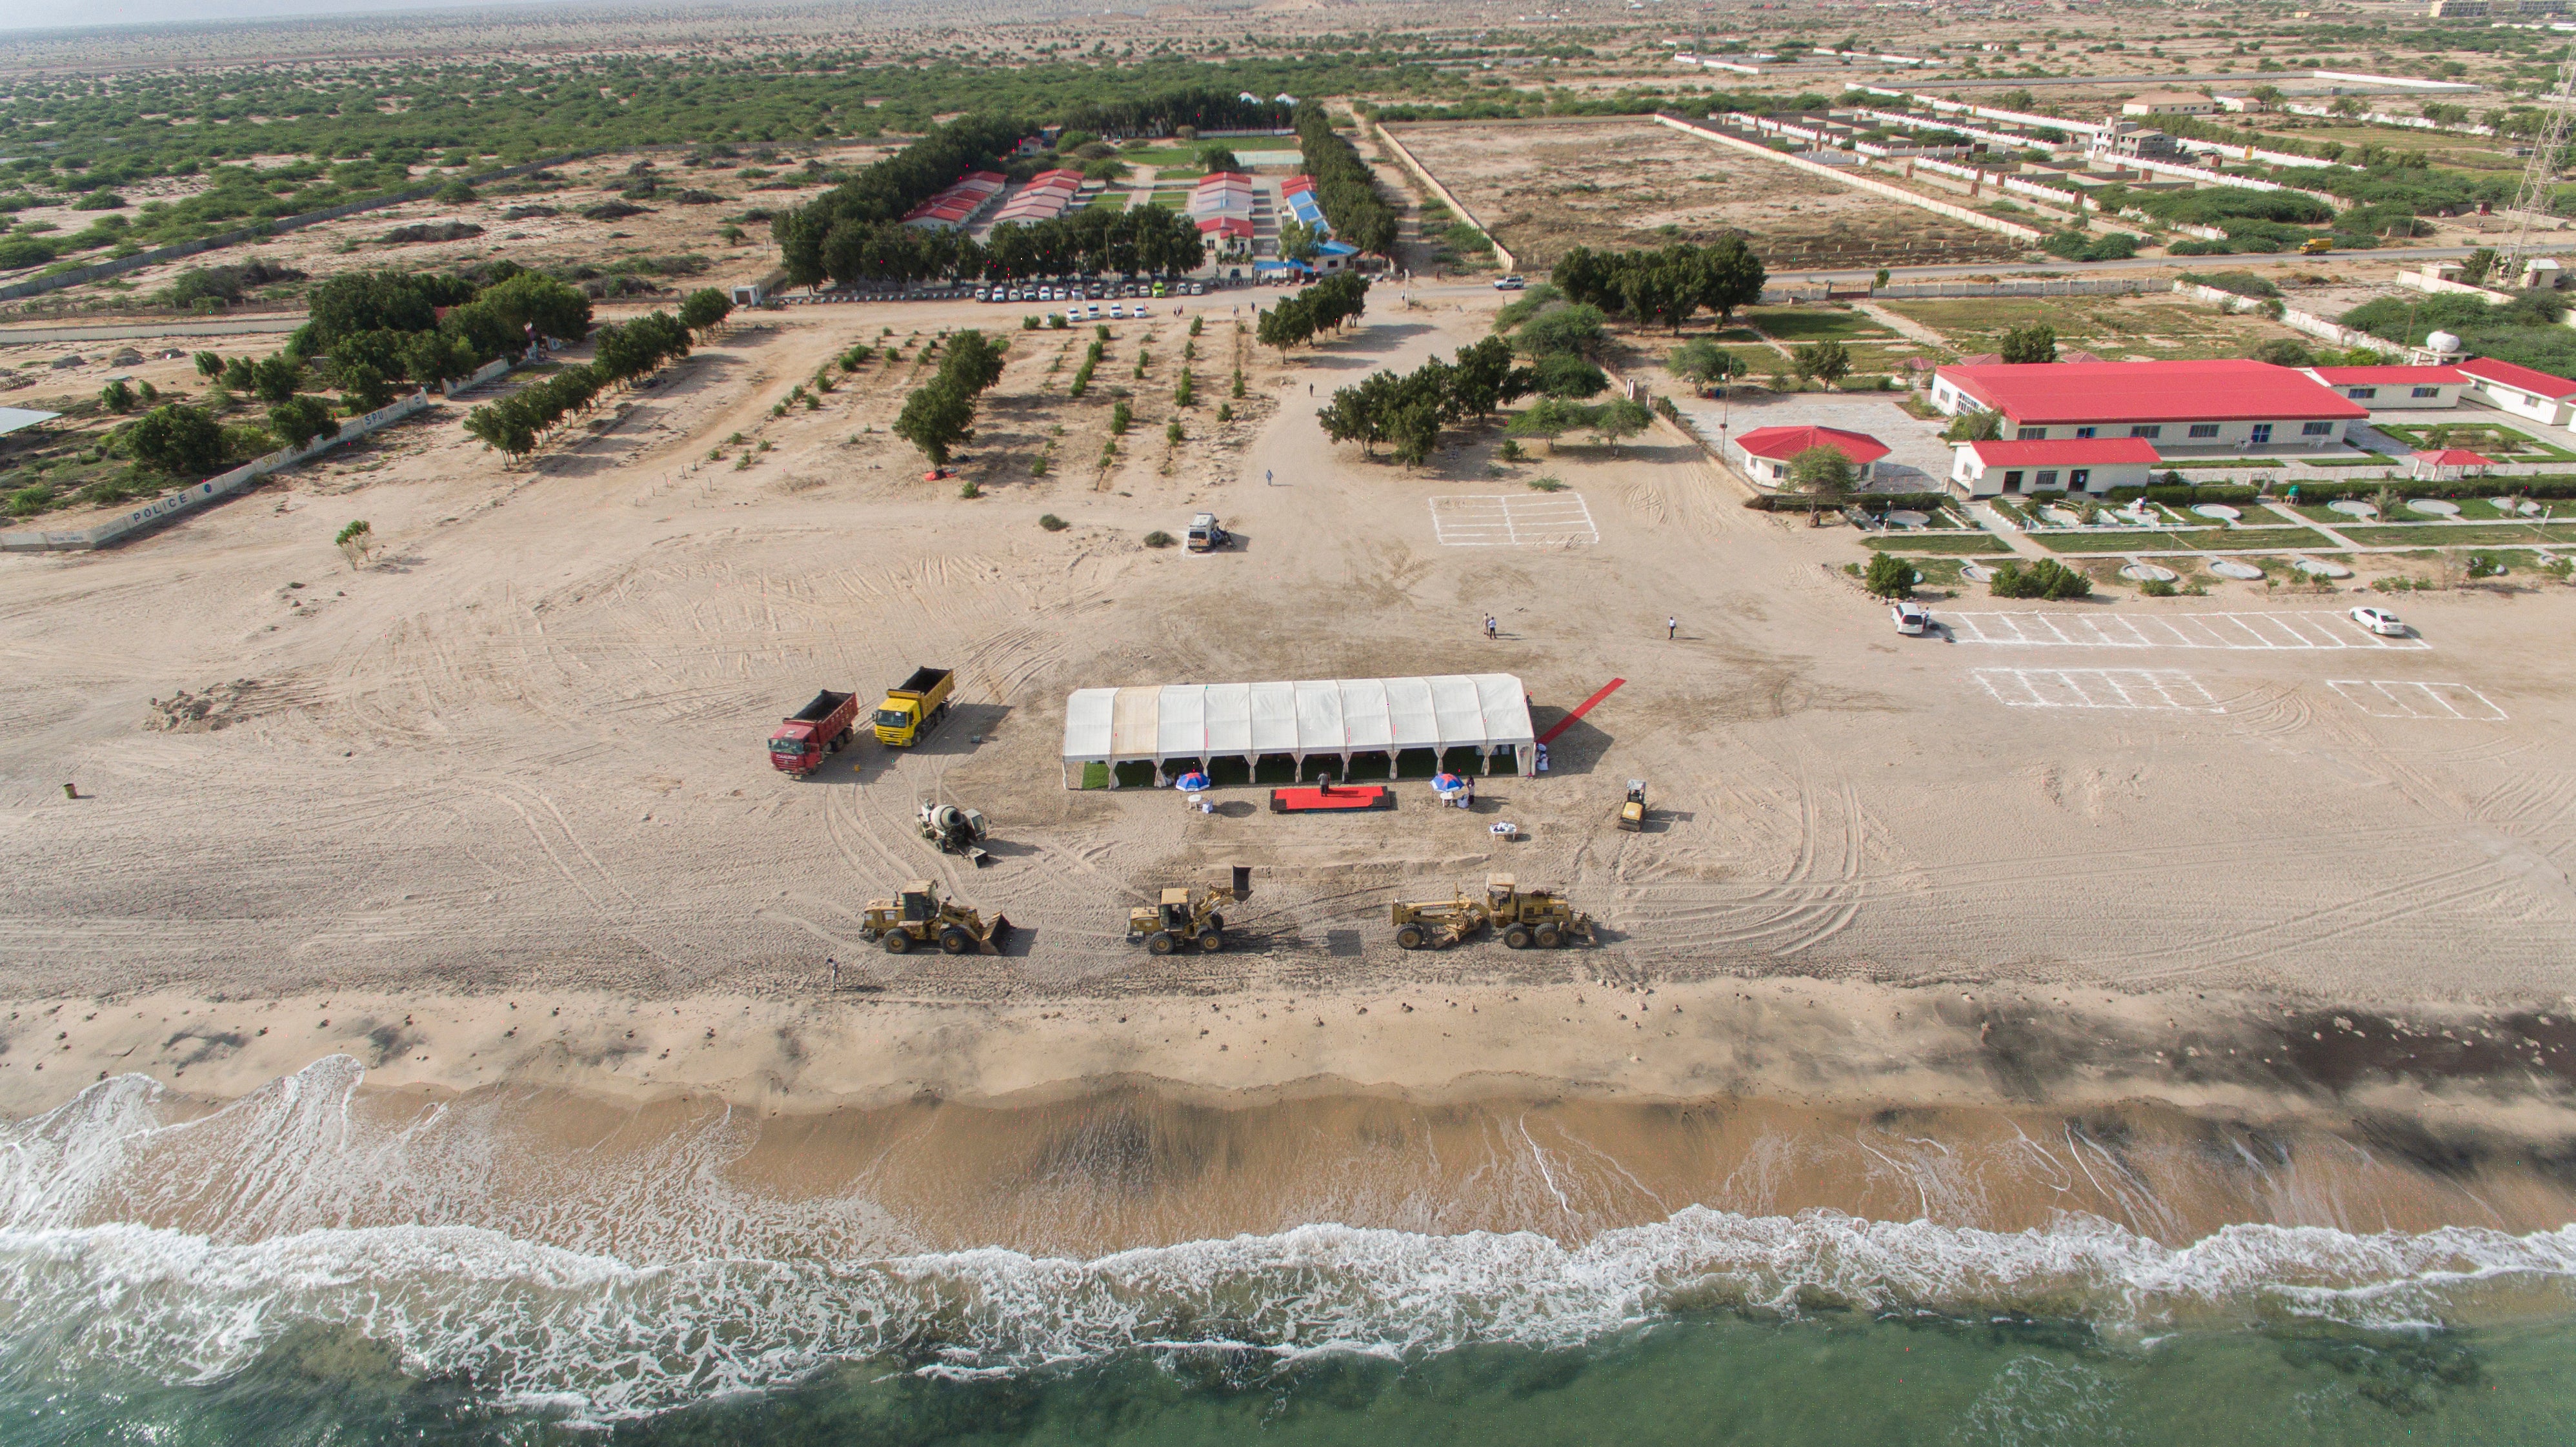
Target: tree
[1828,362]
[2034,343]
[1978,425]
[117,396]
[273,377]
[1550,418]
[2481,261]
[1620,419]
[1889,576]
[2284,352]
[1575,330]
[176,439]
[1483,378]
[1299,241]
[935,418]
[1215,157]
[704,310]
[1701,361]
[210,365]
[353,540]
[1567,375]
[299,420]
[1414,431]
[1823,471]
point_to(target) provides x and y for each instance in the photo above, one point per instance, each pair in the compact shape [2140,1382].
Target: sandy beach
[491,812]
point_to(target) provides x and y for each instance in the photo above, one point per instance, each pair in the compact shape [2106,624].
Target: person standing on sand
[1671,626]
[836,973]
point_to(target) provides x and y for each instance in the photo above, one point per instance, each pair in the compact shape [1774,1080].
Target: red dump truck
[811,733]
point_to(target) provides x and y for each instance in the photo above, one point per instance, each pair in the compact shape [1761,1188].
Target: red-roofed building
[2386,388]
[2521,391]
[2450,463]
[2086,464]
[2228,405]
[1763,454]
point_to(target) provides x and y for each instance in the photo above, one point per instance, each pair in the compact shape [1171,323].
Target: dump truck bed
[923,680]
[825,704]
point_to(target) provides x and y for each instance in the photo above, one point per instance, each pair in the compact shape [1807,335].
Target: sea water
[299,1267]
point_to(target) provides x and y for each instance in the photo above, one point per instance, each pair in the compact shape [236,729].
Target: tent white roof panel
[1315,716]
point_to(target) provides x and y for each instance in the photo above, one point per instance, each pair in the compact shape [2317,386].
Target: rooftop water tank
[2442,342]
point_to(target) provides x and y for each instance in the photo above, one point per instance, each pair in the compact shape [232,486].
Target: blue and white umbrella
[1191,782]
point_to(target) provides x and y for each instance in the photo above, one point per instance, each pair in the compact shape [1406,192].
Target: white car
[1117,311]
[1509,283]
[2379,621]
[1912,619]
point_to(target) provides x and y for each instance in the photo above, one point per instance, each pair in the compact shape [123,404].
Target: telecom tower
[2540,177]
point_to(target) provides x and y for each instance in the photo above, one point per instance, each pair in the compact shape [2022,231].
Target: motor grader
[1437,924]
[918,916]
[1187,916]
[1533,916]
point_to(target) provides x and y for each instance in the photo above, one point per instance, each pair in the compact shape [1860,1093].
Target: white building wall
[2193,436]
[2519,402]
[1974,478]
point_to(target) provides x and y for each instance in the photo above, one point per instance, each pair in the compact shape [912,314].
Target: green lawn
[2492,535]
[1793,325]
[2198,539]
[2158,326]
[1963,544]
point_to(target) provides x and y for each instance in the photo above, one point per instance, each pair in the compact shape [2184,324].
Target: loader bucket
[999,933]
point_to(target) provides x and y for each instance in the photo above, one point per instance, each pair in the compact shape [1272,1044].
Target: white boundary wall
[1961,214]
[198,494]
[1423,174]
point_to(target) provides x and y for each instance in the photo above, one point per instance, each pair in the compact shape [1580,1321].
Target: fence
[36,286]
[496,367]
[198,494]
[1423,174]
[1961,214]
[2022,286]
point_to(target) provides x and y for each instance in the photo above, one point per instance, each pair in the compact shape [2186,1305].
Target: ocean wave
[84,1284]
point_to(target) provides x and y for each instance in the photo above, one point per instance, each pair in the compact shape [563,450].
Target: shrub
[1052,523]
[1224,411]
[2157,588]
[969,489]
[1889,576]
[2047,578]
[1547,484]
[1119,416]
[1158,539]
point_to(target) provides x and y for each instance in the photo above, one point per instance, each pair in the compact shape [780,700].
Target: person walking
[1490,633]
[1672,625]
[836,973]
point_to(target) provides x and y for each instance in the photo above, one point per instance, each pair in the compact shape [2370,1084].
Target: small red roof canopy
[1783,443]
[2454,457]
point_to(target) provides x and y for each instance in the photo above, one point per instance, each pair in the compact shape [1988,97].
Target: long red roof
[2226,390]
[2488,369]
[2068,452]
[1786,442]
[2389,376]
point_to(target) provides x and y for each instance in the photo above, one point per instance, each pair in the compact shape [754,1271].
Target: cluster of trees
[1553,417]
[1667,285]
[516,424]
[2525,331]
[1408,412]
[1344,186]
[854,234]
[372,330]
[941,413]
[1328,305]
[1559,337]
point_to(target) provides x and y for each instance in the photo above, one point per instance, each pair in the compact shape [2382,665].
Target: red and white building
[1047,196]
[2521,391]
[1763,454]
[954,207]
[2224,406]
[2074,464]
[2383,389]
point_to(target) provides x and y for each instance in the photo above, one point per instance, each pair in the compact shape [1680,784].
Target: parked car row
[1095,291]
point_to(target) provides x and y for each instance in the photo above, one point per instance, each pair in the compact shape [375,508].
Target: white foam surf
[283,1228]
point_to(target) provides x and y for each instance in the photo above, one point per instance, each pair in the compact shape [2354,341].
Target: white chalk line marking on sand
[1501,521]
[2132,688]
[2396,699]
[2270,631]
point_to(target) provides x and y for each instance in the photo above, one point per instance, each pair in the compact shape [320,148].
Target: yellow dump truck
[916,707]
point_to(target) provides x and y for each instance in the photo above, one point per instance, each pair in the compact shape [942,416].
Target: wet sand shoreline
[1658,1097]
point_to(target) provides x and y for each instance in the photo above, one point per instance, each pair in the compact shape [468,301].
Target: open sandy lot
[1547,187]
[521,750]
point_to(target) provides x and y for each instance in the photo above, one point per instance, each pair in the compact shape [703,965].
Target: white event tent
[1198,723]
